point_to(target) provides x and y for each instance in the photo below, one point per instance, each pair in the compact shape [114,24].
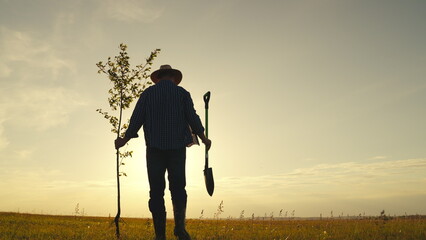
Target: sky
[316,105]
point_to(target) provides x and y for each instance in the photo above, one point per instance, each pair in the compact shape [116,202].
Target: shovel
[208,172]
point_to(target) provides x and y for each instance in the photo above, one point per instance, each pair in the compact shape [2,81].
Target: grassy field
[27,226]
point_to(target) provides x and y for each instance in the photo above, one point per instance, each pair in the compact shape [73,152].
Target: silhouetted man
[167,114]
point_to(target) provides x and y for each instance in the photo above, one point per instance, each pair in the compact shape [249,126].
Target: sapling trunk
[117,216]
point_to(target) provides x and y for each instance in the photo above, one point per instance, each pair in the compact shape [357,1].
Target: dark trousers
[158,161]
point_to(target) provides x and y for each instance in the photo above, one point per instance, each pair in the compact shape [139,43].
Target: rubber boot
[159,220]
[180,231]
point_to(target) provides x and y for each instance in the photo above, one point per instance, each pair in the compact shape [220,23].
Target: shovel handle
[206,98]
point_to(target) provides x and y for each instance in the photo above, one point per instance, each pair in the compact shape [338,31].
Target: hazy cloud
[378,157]
[132,10]
[24,153]
[351,179]
[27,64]
[42,179]
[4,70]
[28,57]
[3,140]
[39,108]
[36,108]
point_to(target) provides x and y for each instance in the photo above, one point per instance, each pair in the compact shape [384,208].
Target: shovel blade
[208,178]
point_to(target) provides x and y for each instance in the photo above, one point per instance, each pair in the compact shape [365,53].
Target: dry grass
[26,226]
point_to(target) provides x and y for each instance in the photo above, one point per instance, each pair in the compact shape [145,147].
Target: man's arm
[136,122]
[194,121]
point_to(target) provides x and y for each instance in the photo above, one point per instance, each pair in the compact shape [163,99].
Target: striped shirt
[166,112]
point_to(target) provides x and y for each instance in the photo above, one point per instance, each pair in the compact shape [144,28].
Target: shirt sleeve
[138,118]
[192,117]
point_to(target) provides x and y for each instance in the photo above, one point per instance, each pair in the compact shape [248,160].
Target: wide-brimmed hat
[166,68]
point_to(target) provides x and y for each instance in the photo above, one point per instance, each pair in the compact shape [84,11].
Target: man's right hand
[205,140]
[208,143]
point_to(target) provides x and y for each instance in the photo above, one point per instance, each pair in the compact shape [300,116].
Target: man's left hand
[119,142]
